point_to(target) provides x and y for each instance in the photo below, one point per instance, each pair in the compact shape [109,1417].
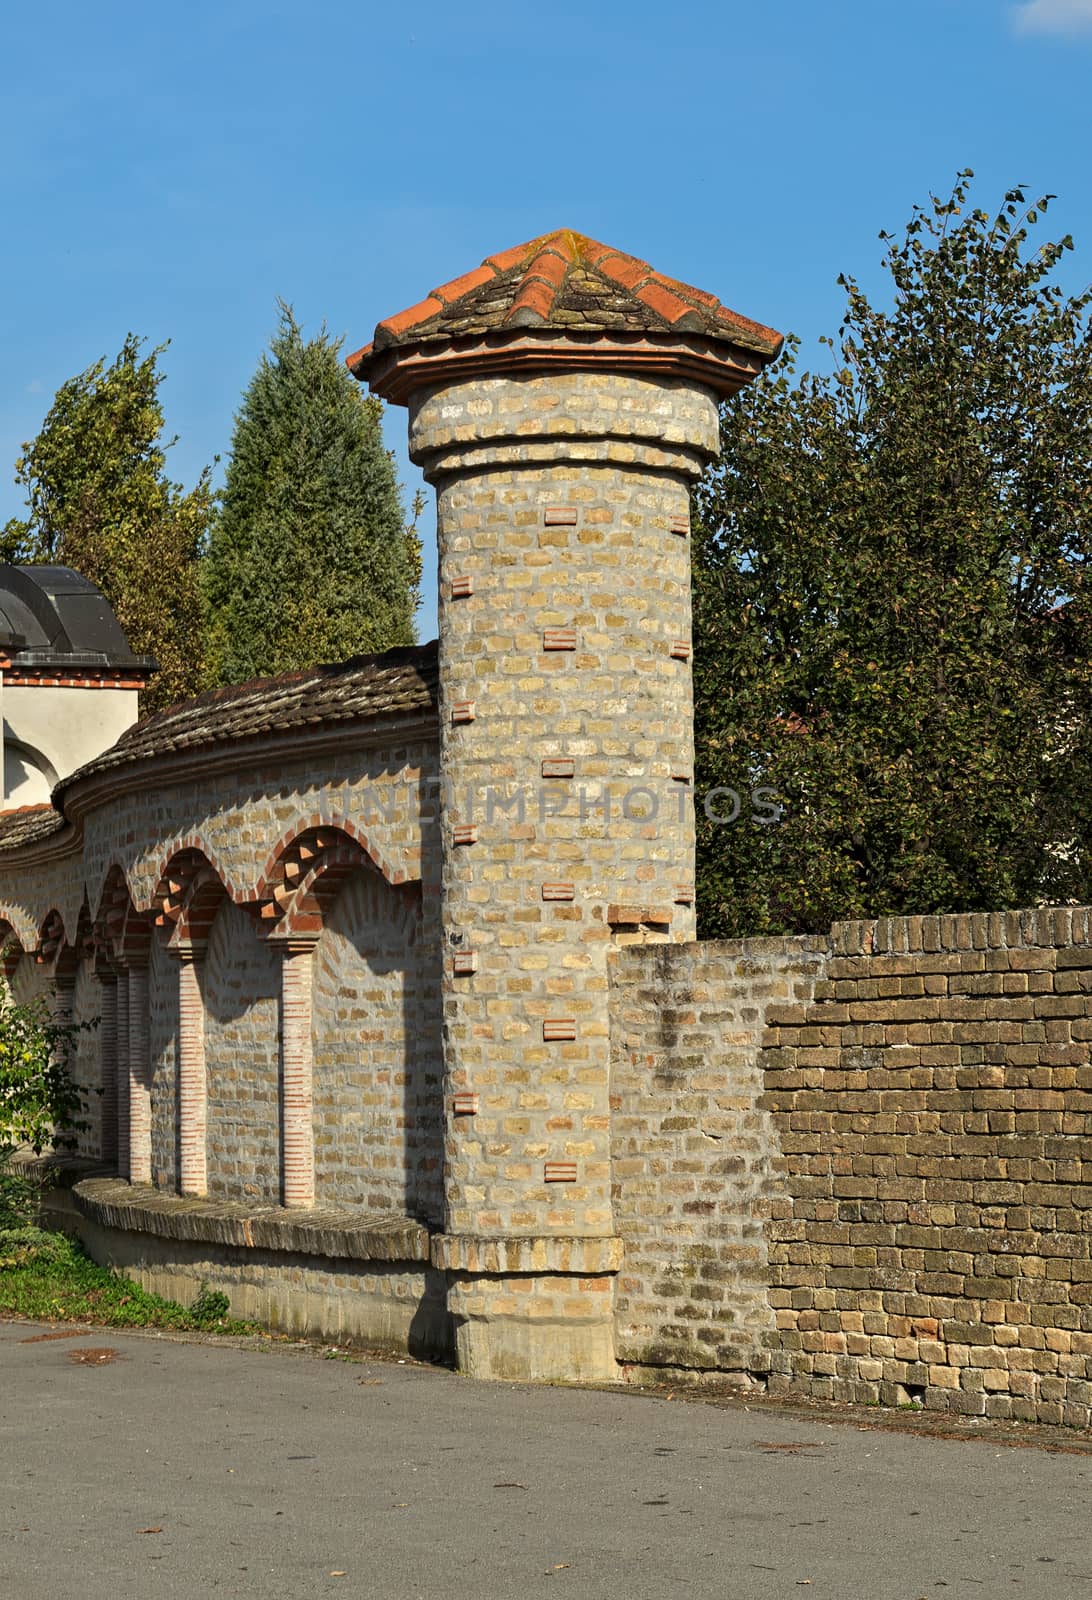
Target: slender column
[108,1058]
[140,1089]
[64,996]
[297,1108]
[192,1081]
[121,1080]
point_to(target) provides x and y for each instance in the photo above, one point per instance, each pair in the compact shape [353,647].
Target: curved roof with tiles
[564,286]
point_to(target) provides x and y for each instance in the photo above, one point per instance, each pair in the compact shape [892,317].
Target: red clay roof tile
[567,282]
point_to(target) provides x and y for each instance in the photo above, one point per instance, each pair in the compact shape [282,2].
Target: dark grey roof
[54,616]
[396,683]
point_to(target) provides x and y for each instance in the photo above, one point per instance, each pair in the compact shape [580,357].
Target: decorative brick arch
[187,897]
[327,822]
[305,872]
[119,928]
[15,920]
[190,846]
[54,948]
[12,948]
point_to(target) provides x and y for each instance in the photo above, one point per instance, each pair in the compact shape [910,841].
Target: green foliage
[48,1277]
[20,1193]
[210,1305]
[310,559]
[892,596]
[25,1245]
[100,501]
[41,1105]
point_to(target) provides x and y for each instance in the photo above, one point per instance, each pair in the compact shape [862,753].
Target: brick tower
[562,399]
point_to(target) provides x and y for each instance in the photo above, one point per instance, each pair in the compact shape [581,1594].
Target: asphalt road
[193,1470]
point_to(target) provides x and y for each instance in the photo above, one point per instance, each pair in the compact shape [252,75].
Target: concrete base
[383,1305]
[337,1276]
[532,1349]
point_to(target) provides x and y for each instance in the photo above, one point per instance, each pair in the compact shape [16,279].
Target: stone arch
[120,930]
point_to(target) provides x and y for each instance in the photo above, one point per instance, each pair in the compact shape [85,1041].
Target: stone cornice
[334,1232]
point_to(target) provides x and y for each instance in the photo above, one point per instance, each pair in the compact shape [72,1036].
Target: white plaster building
[69,684]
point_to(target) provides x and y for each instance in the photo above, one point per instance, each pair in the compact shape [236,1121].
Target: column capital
[188,951]
[294,946]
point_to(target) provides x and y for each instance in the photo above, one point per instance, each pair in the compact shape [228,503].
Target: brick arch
[325,822]
[16,921]
[119,928]
[305,873]
[12,946]
[53,946]
[187,897]
[191,845]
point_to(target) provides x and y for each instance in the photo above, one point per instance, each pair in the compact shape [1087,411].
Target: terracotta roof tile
[564,281]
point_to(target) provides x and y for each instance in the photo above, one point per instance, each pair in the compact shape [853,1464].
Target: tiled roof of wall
[396,683]
[27,824]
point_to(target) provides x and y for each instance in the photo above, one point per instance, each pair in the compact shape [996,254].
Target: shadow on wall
[163,1026]
[240,979]
[376,1083]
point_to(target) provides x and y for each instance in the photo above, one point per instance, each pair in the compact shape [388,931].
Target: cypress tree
[310,558]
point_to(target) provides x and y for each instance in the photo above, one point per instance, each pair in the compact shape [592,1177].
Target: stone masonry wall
[693,1152]
[378,1104]
[928,1117]
[376,944]
[240,982]
[163,1061]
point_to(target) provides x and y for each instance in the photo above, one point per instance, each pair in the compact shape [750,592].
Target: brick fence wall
[693,1153]
[911,1174]
[375,1032]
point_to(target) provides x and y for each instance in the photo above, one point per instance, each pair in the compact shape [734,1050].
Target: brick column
[64,996]
[562,400]
[192,1080]
[121,1059]
[297,1095]
[108,1064]
[140,1088]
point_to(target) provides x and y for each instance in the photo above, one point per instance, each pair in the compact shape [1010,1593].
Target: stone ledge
[352,1235]
[515,1254]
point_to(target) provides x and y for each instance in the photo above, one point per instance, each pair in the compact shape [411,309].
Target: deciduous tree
[100,501]
[892,595]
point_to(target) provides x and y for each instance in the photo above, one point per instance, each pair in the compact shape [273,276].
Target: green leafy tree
[100,501]
[41,1105]
[892,597]
[310,558]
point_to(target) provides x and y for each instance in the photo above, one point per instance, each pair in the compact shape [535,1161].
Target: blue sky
[171,170]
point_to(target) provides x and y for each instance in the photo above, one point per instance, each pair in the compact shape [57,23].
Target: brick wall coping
[340,1233]
[515,1254]
[1042,926]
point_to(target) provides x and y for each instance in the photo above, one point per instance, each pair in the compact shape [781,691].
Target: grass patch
[47,1277]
